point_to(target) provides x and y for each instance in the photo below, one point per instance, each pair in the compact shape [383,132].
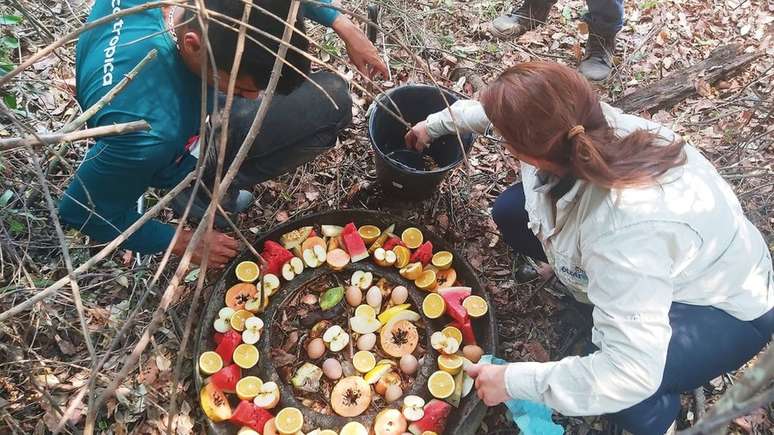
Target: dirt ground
[44,362]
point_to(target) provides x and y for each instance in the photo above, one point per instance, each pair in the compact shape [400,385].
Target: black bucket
[402,171]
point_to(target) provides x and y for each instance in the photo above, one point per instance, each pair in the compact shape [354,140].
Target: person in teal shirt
[301,123]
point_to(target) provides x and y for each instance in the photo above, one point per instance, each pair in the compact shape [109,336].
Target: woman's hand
[490,383]
[361,52]
[222,248]
[418,138]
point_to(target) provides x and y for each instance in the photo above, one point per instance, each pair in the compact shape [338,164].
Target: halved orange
[476,306]
[247,271]
[369,233]
[442,259]
[248,387]
[210,362]
[440,384]
[451,331]
[433,306]
[426,281]
[412,272]
[364,361]
[246,356]
[403,254]
[412,237]
[238,319]
[365,311]
[289,421]
[451,364]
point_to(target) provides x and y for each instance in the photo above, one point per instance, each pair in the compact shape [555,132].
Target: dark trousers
[706,342]
[297,128]
[605,17]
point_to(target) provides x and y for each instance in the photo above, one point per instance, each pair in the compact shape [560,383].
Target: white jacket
[631,253]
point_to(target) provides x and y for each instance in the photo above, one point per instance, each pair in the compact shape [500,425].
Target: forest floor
[44,361]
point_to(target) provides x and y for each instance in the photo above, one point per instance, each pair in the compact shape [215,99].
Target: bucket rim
[386,94]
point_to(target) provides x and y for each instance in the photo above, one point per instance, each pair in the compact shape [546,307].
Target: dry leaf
[703,88]
[537,351]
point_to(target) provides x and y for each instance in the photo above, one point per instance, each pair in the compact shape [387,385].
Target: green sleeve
[109,182]
[320,14]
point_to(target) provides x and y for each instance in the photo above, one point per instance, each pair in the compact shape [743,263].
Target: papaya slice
[238,295]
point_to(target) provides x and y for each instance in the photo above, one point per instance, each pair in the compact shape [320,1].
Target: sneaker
[597,63]
[236,201]
[531,14]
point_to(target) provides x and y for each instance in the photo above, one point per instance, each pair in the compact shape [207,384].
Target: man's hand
[361,52]
[418,138]
[222,248]
[490,383]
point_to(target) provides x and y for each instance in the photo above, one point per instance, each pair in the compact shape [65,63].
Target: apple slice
[270,284]
[335,338]
[310,259]
[320,252]
[252,332]
[413,408]
[223,323]
[297,265]
[331,230]
[362,279]
[444,344]
[384,258]
[364,325]
[268,396]
[287,272]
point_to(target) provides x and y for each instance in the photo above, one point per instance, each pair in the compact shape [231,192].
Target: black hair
[257,61]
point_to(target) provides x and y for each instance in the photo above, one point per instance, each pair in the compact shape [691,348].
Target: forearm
[465,115]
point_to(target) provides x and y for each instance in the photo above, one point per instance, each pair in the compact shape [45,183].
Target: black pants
[706,342]
[298,127]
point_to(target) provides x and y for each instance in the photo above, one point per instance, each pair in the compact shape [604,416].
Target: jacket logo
[576,273]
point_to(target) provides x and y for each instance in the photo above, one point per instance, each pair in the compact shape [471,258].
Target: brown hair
[536,106]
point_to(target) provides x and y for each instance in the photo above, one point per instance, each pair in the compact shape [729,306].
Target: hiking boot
[531,14]
[597,63]
[234,202]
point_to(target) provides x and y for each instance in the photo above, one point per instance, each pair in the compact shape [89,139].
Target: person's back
[164,93]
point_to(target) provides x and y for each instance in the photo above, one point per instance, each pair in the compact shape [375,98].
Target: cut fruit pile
[348,343]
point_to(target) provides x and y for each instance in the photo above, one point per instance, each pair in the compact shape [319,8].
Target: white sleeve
[469,116]
[630,285]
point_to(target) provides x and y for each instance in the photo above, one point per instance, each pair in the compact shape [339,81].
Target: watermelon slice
[228,343]
[276,256]
[226,378]
[436,413]
[247,414]
[468,337]
[423,254]
[353,243]
[453,296]
[392,242]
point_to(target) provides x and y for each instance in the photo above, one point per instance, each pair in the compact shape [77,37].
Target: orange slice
[365,311]
[245,356]
[442,259]
[238,319]
[247,271]
[248,387]
[451,364]
[412,272]
[433,306]
[210,362]
[353,428]
[476,306]
[369,233]
[290,420]
[412,237]
[403,254]
[440,384]
[426,281]
[364,361]
[451,331]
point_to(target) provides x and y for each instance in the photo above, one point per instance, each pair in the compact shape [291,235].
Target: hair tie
[578,129]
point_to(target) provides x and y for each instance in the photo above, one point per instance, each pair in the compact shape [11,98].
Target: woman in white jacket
[633,221]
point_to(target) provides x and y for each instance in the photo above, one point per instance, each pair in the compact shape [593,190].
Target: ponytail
[550,112]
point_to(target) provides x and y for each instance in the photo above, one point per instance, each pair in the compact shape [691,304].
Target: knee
[508,209]
[337,89]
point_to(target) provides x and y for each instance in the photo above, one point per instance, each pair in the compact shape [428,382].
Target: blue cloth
[605,17]
[706,342]
[320,14]
[532,418]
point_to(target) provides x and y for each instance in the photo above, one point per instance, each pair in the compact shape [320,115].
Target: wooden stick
[679,85]
[89,133]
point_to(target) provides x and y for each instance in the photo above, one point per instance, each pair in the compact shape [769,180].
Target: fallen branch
[675,87]
[89,133]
